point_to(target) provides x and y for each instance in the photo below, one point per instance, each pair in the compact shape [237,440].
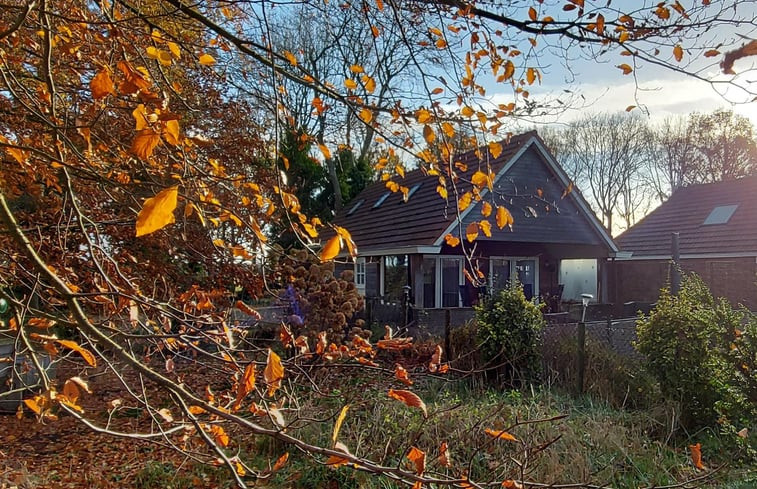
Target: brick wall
[732,278]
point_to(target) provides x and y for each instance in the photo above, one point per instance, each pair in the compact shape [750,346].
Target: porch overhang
[401,250]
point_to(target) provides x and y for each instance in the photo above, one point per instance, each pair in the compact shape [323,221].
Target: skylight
[354,207]
[381,200]
[413,189]
[720,214]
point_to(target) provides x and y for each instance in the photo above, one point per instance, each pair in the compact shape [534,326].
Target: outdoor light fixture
[585,299]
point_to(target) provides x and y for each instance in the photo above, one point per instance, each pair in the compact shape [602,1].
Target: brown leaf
[749,49]
[401,374]
[246,384]
[444,455]
[409,398]
[157,212]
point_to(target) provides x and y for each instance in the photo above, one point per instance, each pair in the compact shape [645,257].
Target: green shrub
[702,352]
[509,331]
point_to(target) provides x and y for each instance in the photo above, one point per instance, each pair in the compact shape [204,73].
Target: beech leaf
[500,435]
[101,85]
[338,423]
[157,212]
[86,354]
[409,398]
[332,248]
[273,373]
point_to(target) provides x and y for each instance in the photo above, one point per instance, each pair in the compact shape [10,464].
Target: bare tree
[605,154]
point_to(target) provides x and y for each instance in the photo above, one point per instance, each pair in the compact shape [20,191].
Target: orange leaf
[401,374]
[350,84]
[220,436]
[511,484]
[171,132]
[157,212]
[532,13]
[451,240]
[479,179]
[332,248]
[32,404]
[696,456]
[486,209]
[625,68]
[281,462]
[335,460]
[102,85]
[500,435]
[366,115]
[418,457]
[144,143]
[444,455]
[567,190]
[467,111]
[369,83]
[678,52]
[86,354]
[246,384]
[495,149]
[290,57]
[273,373]
[428,134]
[325,151]
[422,116]
[410,399]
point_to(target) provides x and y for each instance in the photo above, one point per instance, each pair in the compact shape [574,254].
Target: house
[717,226]
[556,245]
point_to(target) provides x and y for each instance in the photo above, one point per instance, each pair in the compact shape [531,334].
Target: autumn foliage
[142,184]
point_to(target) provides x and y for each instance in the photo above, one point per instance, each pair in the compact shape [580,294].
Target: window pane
[526,270]
[429,282]
[395,276]
[500,273]
[450,282]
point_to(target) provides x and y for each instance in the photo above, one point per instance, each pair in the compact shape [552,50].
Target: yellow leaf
[356,69]
[486,228]
[369,83]
[486,209]
[495,149]
[678,52]
[207,60]
[504,218]
[500,435]
[174,48]
[157,212]
[366,115]
[140,117]
[428,134]
[467,111]
[325,151]
[101,85]
[290,57]
[86,354]
[464,201]
[32,404]
[171,132]
[442,191]
[350,84]
[273,373]
[448,129]
[338,424]
[471,232]
[480,179]
[422,116]
[410,399]
[400,170]
[144,143]
[332,248]
[451,240]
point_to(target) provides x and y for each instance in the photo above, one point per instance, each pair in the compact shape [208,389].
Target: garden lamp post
[581,360]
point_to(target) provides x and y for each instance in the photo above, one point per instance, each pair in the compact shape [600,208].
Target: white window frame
[360,275]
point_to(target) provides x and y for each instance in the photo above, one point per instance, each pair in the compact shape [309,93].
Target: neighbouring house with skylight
[556,246]
[717,226]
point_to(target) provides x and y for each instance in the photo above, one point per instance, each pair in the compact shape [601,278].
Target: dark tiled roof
[424,218]
[685,212]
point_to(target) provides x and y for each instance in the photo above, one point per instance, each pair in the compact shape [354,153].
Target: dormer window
[381,200]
